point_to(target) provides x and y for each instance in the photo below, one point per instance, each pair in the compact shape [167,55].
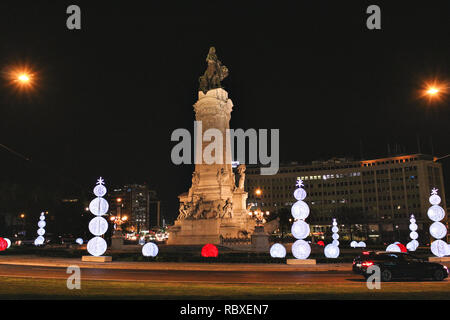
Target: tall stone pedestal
[214,206]
[200,232]
[116,243]
[260,240]
[195,232]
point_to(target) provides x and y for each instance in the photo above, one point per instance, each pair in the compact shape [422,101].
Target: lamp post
[118,219]
[22,218]
[258,195]
[259,238]
[258,215]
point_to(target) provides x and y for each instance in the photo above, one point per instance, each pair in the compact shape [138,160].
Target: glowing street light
[434,91]
[24,78]
[258,215]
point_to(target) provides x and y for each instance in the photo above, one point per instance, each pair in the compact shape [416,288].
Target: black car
[394,265]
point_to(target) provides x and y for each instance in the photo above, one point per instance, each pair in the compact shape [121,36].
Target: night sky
[110,95]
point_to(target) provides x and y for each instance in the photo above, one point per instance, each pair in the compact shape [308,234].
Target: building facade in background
[138,203]
[371,199]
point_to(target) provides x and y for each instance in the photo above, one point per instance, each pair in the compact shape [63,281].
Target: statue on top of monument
[214,74]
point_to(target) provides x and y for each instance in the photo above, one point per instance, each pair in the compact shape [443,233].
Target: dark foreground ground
[43,282]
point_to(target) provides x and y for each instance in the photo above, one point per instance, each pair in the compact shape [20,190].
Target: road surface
[186,276]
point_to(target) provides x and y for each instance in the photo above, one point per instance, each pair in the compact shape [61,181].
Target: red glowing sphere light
[209,250]
[402,247]
[3,244]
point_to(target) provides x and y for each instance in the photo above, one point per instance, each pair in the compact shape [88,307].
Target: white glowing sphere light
[277,250]
[96,246]
[300,229]
[150,250]
[301,249]
[331,251]
[393,248]
[98,226]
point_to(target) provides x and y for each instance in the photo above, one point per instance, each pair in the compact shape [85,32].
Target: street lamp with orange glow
[22,77]
[434,91]
[258,194]
[23,222]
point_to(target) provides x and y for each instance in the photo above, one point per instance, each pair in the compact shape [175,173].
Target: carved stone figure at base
[271,226]
[228,209]
[185,211]
[241,171]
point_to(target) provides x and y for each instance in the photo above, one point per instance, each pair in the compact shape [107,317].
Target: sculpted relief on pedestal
[222,176]
[217,209]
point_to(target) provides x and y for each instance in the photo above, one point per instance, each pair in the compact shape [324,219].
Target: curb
[64,263]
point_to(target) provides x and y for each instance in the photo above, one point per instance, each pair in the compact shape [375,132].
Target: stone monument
[214,207]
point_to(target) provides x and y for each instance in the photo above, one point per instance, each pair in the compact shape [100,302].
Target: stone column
[216,181]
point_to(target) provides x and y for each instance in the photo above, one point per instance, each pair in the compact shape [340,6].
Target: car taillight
[367,263]
[366,253]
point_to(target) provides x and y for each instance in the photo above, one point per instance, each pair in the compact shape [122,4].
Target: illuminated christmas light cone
[332,249]
[300,229]
[98,226]
[413,244]
[41,231]
[437,229]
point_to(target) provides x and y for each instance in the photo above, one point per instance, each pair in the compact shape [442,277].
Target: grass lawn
[28,288]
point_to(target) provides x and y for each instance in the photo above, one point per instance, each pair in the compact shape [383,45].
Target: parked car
[394,265]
